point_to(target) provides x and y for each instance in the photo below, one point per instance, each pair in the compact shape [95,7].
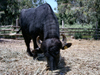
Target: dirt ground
[82,58]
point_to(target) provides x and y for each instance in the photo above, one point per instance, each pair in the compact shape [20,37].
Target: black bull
[42,22]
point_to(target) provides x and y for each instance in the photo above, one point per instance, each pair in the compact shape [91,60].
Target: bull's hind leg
[27,42]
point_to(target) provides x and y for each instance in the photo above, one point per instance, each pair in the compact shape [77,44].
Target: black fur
[41,21]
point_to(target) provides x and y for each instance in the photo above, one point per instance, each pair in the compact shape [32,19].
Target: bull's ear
[67,45]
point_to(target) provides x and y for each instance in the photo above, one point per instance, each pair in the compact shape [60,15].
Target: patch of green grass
[77,26]
[79,33]
[87,37]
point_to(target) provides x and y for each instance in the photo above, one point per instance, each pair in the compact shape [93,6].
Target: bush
[78,36]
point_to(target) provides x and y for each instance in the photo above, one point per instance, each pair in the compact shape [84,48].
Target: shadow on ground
[63,69]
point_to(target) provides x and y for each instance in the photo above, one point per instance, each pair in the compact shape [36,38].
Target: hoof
[34,53]
[47,67]
[34,56]
[29,54]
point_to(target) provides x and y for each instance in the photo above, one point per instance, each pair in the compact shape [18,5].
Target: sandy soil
[82,58]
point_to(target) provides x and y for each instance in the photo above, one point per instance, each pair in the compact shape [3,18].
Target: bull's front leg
[35,48]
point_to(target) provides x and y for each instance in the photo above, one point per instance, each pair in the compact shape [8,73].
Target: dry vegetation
[83,58]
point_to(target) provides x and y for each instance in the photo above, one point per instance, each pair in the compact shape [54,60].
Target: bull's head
[51,48]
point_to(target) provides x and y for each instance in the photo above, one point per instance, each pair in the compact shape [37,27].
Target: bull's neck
[51,29]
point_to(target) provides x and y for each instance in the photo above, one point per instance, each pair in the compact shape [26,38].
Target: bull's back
[40,21]
[26,18]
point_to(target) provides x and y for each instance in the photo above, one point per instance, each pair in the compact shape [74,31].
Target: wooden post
[62,23]
[16,26]
[16,22]
[96,30]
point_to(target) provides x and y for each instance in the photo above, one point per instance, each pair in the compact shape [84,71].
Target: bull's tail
[12,34]
[18,31]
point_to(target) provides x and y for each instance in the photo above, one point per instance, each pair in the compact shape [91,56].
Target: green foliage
[3,4]
[12,8]
[80,11]
[78,36]
[65,13]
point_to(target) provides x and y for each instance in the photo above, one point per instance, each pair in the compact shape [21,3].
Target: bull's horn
[38,41]
[64,44]
[64,39]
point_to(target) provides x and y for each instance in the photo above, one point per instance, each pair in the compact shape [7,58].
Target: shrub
[78,36]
